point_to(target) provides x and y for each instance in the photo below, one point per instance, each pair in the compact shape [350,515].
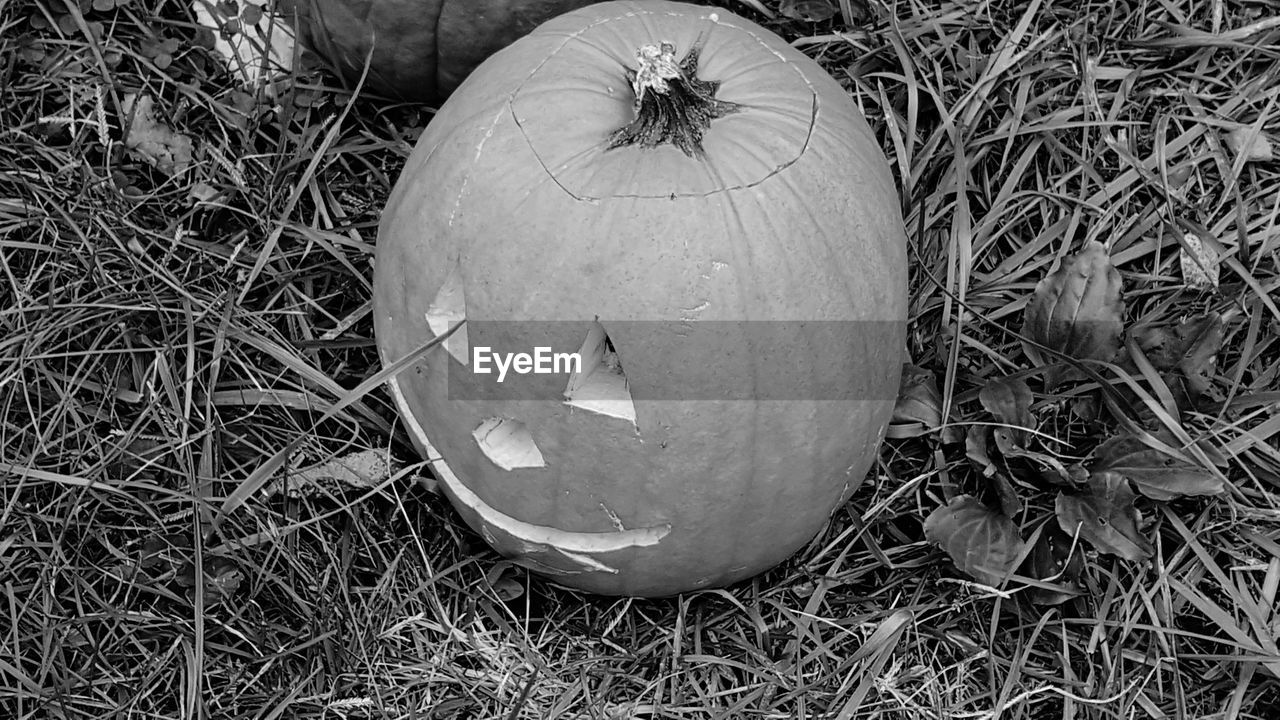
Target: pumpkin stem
[672,104]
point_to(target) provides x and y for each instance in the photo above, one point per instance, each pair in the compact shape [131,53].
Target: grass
[164,336]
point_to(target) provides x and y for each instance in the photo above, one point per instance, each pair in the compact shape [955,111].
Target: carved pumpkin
[726,257]
[422,49]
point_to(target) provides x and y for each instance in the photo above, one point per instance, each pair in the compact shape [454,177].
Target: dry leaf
[202,192]
[505,581]
[919,406]
[1105,516]
[1199,263]
[1252,144]
[361,471]
[158,144]
[1077,310]
[981,542]
[1155,474]
[1179,175]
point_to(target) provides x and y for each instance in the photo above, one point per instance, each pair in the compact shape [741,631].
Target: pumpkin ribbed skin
[424,48]
[792,215]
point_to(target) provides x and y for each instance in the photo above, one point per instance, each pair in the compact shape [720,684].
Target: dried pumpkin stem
[672,104]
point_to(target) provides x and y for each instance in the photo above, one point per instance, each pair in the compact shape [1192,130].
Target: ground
[186,317]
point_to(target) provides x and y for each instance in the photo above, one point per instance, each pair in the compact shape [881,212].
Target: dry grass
[165,336]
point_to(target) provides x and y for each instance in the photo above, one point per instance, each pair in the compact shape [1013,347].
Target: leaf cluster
[1063,461]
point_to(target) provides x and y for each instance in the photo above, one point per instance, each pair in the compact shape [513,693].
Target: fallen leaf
[1105,516]
[981,542]
[153,141]
[919,406]
[1179,175]
[1252,144]
[429,484]
[807,10]
[505,581]
[1156,475]
[1076,310]
[360,471]
[1009,399]
[1199,263]
[202,192]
